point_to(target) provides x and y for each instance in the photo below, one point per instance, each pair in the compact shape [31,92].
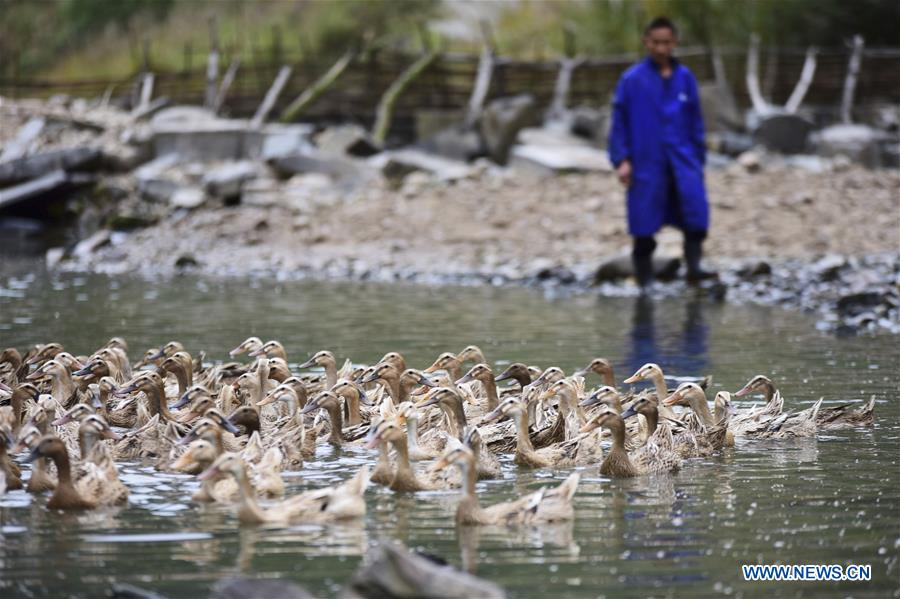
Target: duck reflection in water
[684,353]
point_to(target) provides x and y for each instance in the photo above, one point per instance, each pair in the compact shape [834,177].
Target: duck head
[319,359]
[758,384]
[690,392]
[647,372]
[480,372]
[247,345]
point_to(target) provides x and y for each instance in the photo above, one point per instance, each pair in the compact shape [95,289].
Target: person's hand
[623,171]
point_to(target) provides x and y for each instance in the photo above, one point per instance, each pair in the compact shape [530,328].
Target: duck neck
[337,424]
[490,390]
[353,416]
[769,390]
[249,508]
[403,465]
[652,418]
[523,441]
[17,401]
[63,471]
[469,476]
[412,434]
[183,378]
[330,374]
[523,378]
[459,416]
[659,382]
[609,379]
[158,404]
[392,384]
[700,406]
[86,443]
[62,386]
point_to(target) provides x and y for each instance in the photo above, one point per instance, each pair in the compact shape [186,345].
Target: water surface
[830,500]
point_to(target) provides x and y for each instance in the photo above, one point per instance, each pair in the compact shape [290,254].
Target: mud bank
[827,241]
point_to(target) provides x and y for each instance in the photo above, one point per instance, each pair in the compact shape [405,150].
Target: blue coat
[657,124]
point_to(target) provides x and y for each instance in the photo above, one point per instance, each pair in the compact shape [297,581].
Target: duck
[838,417]
[653,373]
[250,344]
[181,365]
[405,478]
[408,414]
[332,405]
[519,373]
[89,491]
[685,442]
[601,367]
[619,463]
[42,353]
[270,349]
[42,479]
[332,504]
[12,367]
[471,353]
[558,455]
[325,359]
[542,506]
[482,373]
[18,396]
[10,471]
[397,383]
[353,395]
[62,387]
[97,469]
[449,363]
[722,410]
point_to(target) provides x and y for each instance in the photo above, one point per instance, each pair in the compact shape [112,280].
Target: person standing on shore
[657,146]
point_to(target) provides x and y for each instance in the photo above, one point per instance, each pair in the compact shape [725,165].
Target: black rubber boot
[693,253]
[642,260]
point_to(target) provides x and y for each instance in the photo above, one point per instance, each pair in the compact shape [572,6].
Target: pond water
[830,500]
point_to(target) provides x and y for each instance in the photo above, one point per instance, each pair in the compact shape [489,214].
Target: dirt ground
[510,223]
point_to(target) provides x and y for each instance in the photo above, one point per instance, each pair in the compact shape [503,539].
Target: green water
[830,500]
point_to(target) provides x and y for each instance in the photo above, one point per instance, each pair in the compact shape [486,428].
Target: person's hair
[661,23]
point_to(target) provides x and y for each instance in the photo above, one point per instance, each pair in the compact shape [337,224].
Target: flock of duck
[238,425]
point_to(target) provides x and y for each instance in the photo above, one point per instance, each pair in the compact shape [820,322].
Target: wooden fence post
[850,81]
[271,97]
[212,64]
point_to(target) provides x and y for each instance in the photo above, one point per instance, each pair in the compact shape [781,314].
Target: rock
[558,273]
[729,143]
[589,123]
[84,158]
[156,105]
[755,270]
[128,222]
[391,570]
[860,143]
[620,267]
[455,143]
[225,181]
[346,173]
[88,246]
[21,143]
[187,197]
[501,121]
[430,122]
[548,152]
[185,261]
[828,268]
[719,112]
[54,256]
[854,304]
[347,139]
[784,133]
[249,588]
[283,140]
[398,163]
[18,193]
[750,160]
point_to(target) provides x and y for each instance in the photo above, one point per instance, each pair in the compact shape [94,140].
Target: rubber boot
[642,260]
[693,253]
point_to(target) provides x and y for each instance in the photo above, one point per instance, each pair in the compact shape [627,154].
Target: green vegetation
[108,38]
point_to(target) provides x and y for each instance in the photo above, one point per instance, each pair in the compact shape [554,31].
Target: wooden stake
[759,104]
[311,93]
[385,111]
[806,78]
[271,97]
[212,65]
[227,80]
[850,81]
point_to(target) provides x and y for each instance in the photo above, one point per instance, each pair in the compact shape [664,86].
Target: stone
[729,143]
[589,123]
[225,180]
[860,143]
[88,246]
[83,158]
[187,197]
[557,273]
[500,123]
[455,143]
[398,163]
[784,133]
[128,222]
[750,161]
[347,139]
[24,191]
[755,270]
[853,304]
[54,256]
[21,143]
[828,268]
[185,261]
[549,152]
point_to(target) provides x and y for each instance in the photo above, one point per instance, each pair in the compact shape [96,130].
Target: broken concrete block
[31,167]
[89,245]
[225,181]
[347,139]
[860,143]
[784,133]
[501,121]
[399,163]
[21,143]
[187,197]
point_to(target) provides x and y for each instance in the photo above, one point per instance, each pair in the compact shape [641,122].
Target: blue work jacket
[658,126]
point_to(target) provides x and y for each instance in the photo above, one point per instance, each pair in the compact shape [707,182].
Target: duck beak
[428,400]
[588,426]
[211,472]
[744,391]
[125,391]
[308,363]
[370,378]
[634,378]
[5,388]
[582,373]
[64,419]
[629,412]
[468,378]
[85,370]
[182,401]
[590,401]
[230,427]
[235,352]
[673,399]
[427,382]
[159,354]
[439,465]
[36,375]
[363,398]
[373,441]
[310,407]
[493,416]
[190,436]
[266,400]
